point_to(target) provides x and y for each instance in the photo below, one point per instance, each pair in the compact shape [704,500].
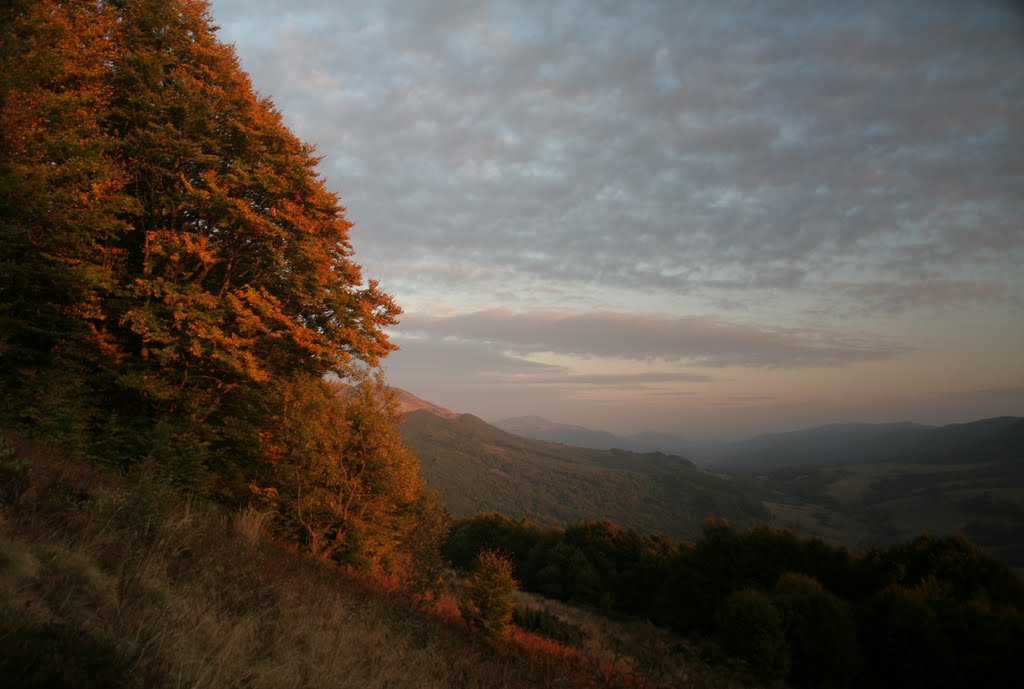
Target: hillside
[851,484]
[114,581]
[477,467]
[408,402]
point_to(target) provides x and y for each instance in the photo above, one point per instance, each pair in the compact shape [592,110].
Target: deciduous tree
[338,476]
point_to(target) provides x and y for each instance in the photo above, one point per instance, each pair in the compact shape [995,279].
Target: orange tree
[338,477]
[62,207]
[176,280]
[167,244]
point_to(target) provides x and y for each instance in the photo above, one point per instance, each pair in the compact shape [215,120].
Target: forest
[180,302]
[932,612]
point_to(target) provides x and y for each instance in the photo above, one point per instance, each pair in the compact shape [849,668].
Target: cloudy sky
[706,217]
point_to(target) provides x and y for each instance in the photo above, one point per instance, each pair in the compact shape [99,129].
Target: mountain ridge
[408,402]
[834,443]
[539,428]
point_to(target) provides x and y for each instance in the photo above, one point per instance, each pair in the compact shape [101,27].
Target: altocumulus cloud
[701,340]
[830,149]
[834,188]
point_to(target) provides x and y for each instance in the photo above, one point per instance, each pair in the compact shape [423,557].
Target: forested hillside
[480,468]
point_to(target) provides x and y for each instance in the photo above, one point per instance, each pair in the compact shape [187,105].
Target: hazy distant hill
[478,467]
[861,442]
[539,428]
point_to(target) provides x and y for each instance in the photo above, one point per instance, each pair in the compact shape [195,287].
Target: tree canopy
[176,279]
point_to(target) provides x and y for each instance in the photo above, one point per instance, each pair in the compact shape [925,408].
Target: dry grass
[113,583]
[108,582]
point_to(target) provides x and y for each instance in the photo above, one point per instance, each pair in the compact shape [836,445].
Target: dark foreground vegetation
[932,612]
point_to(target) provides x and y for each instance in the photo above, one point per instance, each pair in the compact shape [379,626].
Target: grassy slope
[478,467]
[112,583]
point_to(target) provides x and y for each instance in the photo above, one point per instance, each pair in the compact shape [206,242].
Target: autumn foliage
[176,280]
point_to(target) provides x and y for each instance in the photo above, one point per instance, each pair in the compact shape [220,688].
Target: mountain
[408,402]
[858,442]
[478,467]
[853,484]
[539,428]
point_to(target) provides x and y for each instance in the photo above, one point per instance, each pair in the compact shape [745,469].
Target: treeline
[176,280]
[933,612]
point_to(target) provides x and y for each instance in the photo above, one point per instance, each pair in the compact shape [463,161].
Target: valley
[856,485]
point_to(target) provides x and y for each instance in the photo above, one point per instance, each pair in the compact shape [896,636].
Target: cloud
[511,165]
[699,147]
[621,380]
[700,340]
[895,298]
[429,359]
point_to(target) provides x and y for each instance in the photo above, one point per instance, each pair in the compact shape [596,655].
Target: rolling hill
[477,467]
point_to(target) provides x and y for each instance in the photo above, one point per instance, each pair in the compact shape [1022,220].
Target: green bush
[749,627]
[487,602]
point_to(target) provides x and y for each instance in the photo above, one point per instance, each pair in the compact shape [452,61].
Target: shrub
[487,601]
[549,625]
[749,627]
[821,632]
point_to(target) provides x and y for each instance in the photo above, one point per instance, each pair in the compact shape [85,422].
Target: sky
[707,218]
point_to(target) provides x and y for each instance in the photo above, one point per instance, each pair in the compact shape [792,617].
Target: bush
[821,632]
[549,625]
[487,602]
[749,627]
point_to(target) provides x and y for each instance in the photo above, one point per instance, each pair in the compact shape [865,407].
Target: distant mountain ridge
[857,484]
[837,443]
[863,442]
[539,428]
